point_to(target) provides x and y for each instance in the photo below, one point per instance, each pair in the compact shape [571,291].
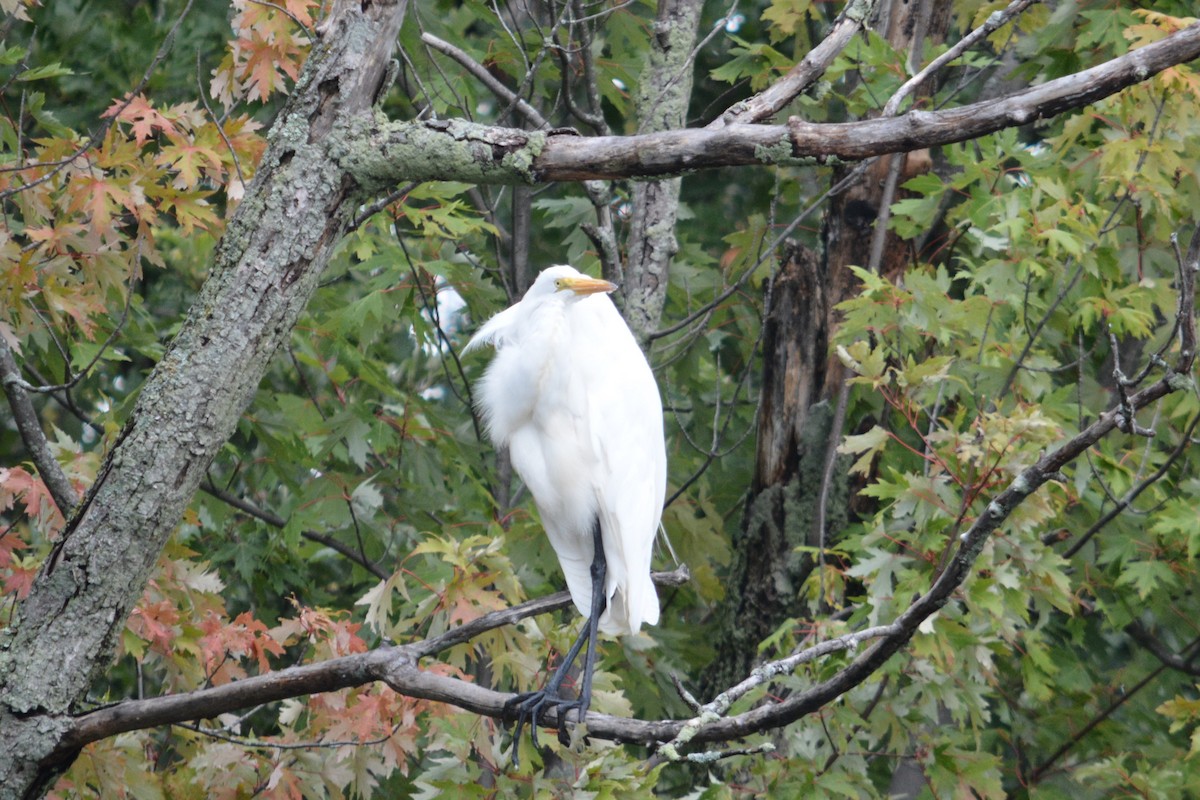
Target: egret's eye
[559,285]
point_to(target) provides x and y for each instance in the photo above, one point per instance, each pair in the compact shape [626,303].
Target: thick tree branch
[397,666]
[380,155]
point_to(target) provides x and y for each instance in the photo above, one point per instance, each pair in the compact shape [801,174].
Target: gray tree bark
[663,99]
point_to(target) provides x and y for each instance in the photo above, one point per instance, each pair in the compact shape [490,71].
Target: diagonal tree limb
[993,23]
[1168,658]
[480,73]
[398,667]
[799,78]
[24,414]
[326,676]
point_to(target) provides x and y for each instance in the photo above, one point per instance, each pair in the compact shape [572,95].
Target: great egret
[572,396]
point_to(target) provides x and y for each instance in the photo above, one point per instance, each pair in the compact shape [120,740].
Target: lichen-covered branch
[381,154]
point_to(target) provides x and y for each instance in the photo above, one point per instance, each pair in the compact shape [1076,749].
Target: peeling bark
[793,432]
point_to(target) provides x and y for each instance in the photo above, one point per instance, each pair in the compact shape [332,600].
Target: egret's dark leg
[599,601]
[531,705]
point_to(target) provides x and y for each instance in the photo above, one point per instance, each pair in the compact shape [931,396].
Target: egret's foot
[531,706]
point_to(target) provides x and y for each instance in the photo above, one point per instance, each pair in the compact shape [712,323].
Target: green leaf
[43,72]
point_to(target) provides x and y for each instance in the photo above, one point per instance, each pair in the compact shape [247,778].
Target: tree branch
[771,100]
[30,428]
[395,665]
[480,73]
[1171,660]
[385,154]
[398,668]
[275,521]
[993,22]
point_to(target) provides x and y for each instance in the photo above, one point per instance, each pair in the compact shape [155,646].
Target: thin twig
[481,74]
[771,100]
[276,521]
[259,744]
[832,191]
[509,616]
[431,308]
[307,32]
[715,710]
[237,164]
[16,379]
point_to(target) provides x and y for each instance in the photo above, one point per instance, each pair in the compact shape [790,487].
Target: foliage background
[358,502]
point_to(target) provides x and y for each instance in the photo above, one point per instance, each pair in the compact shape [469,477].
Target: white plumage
[572,396]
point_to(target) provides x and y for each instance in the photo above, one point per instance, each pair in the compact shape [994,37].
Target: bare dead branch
[771,100]
[993,23]
[713,711]
[480,73]
[389,153]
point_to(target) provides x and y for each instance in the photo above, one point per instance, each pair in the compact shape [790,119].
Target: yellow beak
[587,285]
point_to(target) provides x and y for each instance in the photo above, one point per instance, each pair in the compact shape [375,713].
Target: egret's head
[562,278]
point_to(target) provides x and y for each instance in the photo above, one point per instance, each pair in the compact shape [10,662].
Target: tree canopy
[917,282]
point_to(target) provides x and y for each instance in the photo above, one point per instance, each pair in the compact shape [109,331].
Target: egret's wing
[495,331]
[625,422]
[507,391]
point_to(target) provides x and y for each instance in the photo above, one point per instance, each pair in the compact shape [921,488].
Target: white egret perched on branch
[572,396]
